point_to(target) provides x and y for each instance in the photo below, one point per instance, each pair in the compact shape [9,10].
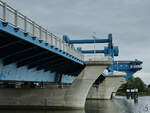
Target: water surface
[117,105]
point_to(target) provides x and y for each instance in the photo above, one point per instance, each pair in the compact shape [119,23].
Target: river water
[117,105]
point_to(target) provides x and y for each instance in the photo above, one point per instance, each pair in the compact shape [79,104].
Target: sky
[127,20]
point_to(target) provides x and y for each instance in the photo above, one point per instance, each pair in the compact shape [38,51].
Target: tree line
[132,83]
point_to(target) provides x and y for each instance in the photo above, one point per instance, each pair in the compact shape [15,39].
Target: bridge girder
[20,50]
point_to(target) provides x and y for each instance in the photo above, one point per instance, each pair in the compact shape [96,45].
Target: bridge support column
[105,89]
[72,96]
[76,95]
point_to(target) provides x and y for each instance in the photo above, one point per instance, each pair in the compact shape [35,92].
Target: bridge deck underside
[23,53]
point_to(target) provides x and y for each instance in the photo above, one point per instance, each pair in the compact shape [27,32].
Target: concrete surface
[73,96]
[105,89]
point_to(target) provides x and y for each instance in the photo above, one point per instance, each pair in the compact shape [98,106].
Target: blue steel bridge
[128,67]
[30,53]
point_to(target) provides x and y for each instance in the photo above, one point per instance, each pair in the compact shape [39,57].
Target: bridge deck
[25,43]
[17,47]
[28,52]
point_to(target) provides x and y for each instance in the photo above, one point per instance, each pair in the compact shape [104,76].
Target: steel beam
[56,67]
[42,62]
[58,78]
[88,41]
[92,51]
[20,52]
[21,55]
[31,59]
[9,50]
[10,44]
[50,63]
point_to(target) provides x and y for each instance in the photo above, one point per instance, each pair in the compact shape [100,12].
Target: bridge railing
[135,66]
[97,57]
[106,73]
[18,20]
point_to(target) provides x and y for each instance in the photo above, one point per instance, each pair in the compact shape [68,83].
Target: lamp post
[94,37]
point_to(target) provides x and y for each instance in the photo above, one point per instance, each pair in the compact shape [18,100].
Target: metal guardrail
[97,57]
[18,20]
[106,73]
[135,66]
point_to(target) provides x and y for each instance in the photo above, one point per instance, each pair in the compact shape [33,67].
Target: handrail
[18,20]
[97,57]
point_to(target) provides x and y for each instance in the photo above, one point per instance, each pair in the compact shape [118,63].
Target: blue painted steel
[110,50]
[58,78]
[12,73]
[129,74]
[129,67]
[20,34]
[110,44]
[88,41]
[114,51]
[66,39]
[109,40]
[67,79]
[92,51]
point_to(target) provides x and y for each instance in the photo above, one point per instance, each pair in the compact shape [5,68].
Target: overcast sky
[127,20]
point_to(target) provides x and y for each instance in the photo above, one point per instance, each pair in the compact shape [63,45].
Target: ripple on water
[117,105]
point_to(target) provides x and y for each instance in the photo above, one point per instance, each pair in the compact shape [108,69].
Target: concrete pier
[73,96]
[105,89]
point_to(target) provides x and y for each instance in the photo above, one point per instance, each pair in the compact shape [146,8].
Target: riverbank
[140,94]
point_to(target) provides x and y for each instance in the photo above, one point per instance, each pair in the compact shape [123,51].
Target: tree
[135,82]
[138,83]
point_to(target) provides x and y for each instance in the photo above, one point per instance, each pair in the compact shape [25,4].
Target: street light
[94,37]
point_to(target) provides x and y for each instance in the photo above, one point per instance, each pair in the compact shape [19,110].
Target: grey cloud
[128,20]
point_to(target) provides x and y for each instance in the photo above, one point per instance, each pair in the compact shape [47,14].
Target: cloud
[144,76]
[128,20]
